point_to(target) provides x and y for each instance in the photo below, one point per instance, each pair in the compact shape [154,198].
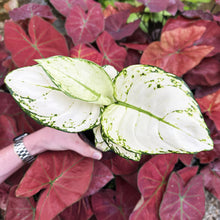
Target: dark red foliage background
[68,186]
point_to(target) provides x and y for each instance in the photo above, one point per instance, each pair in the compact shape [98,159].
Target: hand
[55,140]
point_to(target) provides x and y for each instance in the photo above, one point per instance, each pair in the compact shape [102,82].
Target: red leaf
[210,105]
[19,208]
[100,177]
[121,166]
[116,25]
[211,181]
[65,176]
[187,173]
[215,167]
[3,56]
[65,6]
[112,53]
[10,108]
[133,57]
[80,210]
[43,41]
[117,205]
[84,27]
[204,74]
[8,130]
[4,191]
[195,14]
[30,10]
[175,52]
[123,6]
[210,36]
[183,202]
[152,180]
[134,46]
[85,52]
[186,158]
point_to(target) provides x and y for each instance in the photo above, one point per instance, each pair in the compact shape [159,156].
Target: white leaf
[79,78]
[43,101]
[155,113]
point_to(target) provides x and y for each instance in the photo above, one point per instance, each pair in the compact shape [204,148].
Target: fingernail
[97,155]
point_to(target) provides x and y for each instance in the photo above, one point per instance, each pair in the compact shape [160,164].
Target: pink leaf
[84,27]
[211,181]
[29,10]
[65,6]
[187,173]
[19,208]
[112,53]
[43,41]
[100,177]
[183,202]
[85,52]
[186,158]
[117,26]
[152,180]
[65,176]
[204,74]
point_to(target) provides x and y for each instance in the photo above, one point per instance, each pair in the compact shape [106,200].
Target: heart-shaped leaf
[152,180]
[175,51]
[80,210]
[44,102]
[65,6]
[19,208]
[117,26]
[81,79]
[43,41]
[112,53]
[210,105]
[155,113]
[211,180]
[85,52]
[84,27]
[65,176]
[180,201]
[110,204]
[29,10]
[100,177]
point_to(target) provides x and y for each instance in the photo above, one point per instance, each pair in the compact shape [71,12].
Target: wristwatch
[21,150]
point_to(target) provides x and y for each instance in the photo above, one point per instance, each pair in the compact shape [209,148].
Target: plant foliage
[172,35]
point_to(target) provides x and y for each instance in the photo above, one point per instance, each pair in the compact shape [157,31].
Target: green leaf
[155,113]
[79,78]
[43,101]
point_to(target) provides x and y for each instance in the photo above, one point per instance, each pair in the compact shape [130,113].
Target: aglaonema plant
[141,110]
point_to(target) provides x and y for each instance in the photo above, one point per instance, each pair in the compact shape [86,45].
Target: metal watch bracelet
[21,150]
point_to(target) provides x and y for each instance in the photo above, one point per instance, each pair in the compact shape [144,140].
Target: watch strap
[21,150]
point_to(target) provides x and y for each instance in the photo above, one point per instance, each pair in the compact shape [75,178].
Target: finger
[85,149]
